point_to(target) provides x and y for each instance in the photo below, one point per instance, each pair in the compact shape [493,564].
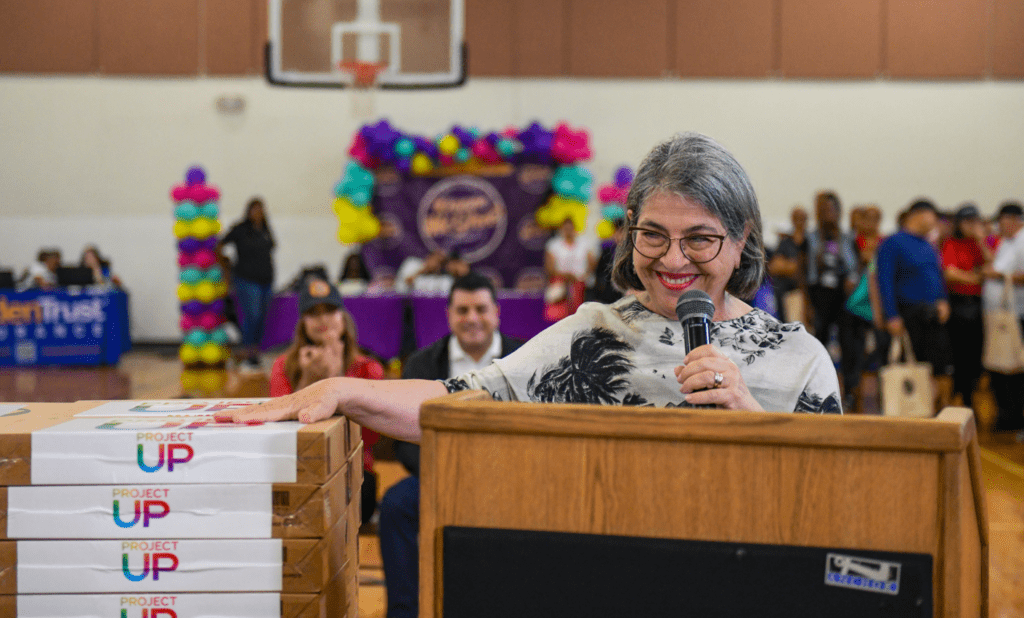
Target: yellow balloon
[579,217]
[206,291]
[211,353]
[449,144]
[421,164]
[605,229]
[202,228]
[188,354]
[182,229]
[213,379]
[346,211]
[186,292]
[372,228]
[222,289]
[189,380]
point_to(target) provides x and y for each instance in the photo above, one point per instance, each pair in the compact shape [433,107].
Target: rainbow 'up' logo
[157,567]
[144,510]
[166,453]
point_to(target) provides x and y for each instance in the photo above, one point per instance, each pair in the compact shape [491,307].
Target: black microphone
[695,310]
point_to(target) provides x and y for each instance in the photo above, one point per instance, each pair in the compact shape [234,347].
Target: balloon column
[201,285]
[465,150]
[613,201]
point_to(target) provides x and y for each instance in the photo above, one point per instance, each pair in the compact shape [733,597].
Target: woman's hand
[313,403]
[317,362]
[697,380]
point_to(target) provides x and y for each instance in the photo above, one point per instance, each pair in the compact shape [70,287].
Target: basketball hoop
[364,85]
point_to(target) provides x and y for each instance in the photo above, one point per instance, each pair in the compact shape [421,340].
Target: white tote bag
[906,386]
[1004,351]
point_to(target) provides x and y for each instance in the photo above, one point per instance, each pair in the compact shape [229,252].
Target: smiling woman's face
[667,277]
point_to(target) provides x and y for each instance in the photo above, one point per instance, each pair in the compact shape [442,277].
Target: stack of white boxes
[155,510]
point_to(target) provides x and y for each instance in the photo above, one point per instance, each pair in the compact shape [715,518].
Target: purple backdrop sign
[488,219]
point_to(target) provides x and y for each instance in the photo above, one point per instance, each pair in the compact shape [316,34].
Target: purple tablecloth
[378,319]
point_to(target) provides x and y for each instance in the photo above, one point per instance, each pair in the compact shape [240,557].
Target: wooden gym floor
[154,373]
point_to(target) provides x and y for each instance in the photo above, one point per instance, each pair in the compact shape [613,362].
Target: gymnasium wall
[89,157]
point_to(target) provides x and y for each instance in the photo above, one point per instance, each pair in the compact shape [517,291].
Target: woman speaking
[694,224]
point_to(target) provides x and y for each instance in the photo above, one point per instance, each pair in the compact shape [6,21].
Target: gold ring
[719,379]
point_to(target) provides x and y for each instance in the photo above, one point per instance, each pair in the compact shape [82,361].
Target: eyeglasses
[698,248]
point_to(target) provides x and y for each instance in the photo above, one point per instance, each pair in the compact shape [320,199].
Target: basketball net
[363,86]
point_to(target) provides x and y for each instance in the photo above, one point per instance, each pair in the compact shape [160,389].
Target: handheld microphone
[695,310]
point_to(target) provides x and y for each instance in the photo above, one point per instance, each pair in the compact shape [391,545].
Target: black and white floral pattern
[625,354]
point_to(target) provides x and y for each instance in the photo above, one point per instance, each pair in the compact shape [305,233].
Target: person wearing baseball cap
[1008,389]
[964,257]
[325,346]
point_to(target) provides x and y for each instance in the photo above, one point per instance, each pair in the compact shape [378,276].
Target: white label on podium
[167,407]
[261,605]
[111,451]
[48,567]
[140,512]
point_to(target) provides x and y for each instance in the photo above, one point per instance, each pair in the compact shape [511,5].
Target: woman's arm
[390,407]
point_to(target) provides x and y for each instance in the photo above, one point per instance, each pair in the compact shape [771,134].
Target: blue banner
[63,327]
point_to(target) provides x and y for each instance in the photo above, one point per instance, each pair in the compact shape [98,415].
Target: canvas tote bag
[907,385]
[1004,351]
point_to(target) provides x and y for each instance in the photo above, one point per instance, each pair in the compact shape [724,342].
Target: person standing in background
[913,290]
[42,274]
[101,273]
[1008,389]
[831,266]
[569,263]
[788,268]
[964,257]
[252,275]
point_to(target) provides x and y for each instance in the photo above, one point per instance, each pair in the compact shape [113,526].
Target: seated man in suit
[473,343]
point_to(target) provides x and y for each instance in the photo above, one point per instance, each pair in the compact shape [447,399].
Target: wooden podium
[861,482]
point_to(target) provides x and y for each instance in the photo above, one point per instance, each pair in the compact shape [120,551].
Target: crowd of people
[932,281]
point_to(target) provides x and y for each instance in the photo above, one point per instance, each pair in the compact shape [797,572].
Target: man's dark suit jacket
[431,363]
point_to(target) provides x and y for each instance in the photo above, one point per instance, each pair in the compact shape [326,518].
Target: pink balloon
[206,258]
[485,152]
[607,193]
[570,146]
[180,192]
[359,152]
[204,193]
[210,320]
[510,131]
[186,259]
[188,322]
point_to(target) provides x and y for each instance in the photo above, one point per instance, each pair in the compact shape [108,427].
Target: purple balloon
[217,306]
[188,245]
[536,144]
[195,176]
[492,139]
[465,137]
[623,177]
[403,165]
[193,307]
[209,244]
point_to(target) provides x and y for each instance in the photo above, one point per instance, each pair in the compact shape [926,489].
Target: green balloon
[186,211]
[405,147]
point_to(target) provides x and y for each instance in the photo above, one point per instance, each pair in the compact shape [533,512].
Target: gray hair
[696,167]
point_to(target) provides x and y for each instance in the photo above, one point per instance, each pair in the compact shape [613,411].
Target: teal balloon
[506,147]
[462,155]
[209,210]
[359,197]
[186,211]
[214,274]
[356,184]
[405,147]
[190,275]
[573,181]
[196,337]
[219,336]
[613,212]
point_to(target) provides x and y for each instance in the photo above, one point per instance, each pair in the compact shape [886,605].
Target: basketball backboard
[332,43]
